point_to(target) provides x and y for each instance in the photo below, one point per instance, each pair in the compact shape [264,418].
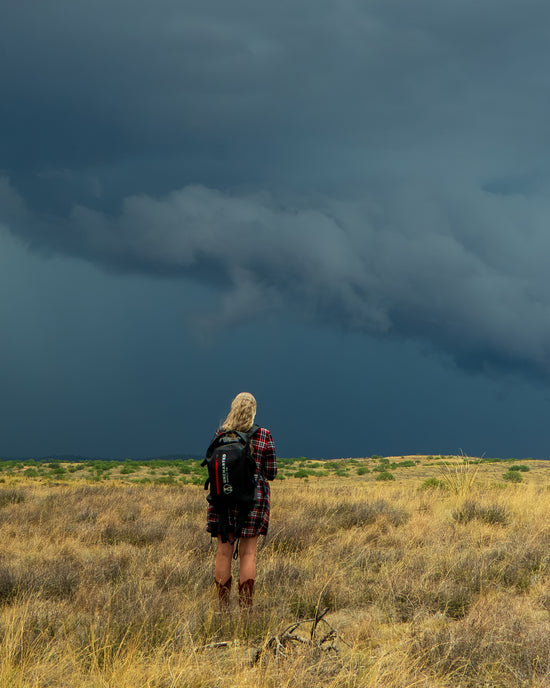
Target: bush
[519,467]
[165,480]
[512,476]
[434,484]
[385,475]
[283,463]
[59,471]
[127,470]
[493,513]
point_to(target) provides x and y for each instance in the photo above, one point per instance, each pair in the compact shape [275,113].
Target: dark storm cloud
[353,162]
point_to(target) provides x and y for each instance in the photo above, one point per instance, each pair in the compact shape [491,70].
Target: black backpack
[231,476]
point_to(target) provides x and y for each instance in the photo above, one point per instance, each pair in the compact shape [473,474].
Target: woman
[241,418]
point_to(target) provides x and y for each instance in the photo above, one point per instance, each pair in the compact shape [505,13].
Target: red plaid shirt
[266,466]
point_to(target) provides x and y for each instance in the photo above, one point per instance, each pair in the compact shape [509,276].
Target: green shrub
[362,470]
[402,464]
[434,484]
[519,467]
[385,475]
[513,476]
[282,463]
[165,480]
[59,471]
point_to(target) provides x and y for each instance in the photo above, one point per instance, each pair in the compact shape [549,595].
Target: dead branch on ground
[278,644]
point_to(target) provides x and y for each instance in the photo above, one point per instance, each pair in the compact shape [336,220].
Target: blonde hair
[242,413]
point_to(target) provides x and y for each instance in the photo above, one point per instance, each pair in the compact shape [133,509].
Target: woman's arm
[266,450]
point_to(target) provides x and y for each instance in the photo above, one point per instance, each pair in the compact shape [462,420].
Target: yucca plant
[459,477]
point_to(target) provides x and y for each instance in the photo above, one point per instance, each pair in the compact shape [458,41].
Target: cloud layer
[373,166]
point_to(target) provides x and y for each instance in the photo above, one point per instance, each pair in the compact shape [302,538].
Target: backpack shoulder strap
[219,432]
[246,436]
[253,430]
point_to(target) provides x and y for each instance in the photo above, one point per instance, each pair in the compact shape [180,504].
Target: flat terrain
[384,571]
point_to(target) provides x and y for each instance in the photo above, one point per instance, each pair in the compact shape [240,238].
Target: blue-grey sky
[340,206]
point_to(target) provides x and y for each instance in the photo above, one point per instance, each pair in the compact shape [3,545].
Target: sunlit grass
[107,581]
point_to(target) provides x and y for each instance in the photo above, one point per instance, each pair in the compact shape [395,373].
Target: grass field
[416,571]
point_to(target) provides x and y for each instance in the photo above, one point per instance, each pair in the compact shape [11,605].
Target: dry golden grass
[109,583]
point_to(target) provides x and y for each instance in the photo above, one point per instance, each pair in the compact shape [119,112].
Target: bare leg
[247,558]
[224,554]
[247,570]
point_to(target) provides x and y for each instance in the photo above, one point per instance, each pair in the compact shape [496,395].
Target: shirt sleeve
[266,450]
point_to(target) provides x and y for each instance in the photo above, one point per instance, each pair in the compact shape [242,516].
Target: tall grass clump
[11,496]
[460,476]
[492,513]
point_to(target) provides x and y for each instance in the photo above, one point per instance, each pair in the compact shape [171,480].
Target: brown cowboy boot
[246,593]
[223,594]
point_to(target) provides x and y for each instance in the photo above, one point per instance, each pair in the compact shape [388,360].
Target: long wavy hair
[242,413]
